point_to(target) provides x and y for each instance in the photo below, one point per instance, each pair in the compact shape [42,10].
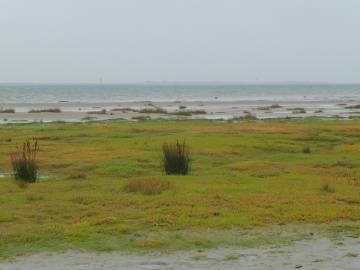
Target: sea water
[102,93]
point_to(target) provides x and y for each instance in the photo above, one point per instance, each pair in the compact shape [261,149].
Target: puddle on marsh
[43,177]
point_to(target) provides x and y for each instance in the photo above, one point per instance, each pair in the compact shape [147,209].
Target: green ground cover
[246,177]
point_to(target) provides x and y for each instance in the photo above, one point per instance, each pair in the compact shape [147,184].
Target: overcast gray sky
[179,40]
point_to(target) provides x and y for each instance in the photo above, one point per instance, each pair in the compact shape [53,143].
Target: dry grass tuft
[150,186]
[78,175]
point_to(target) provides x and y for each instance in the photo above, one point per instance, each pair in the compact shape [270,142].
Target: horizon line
[179,82]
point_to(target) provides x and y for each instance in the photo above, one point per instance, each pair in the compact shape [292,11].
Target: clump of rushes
[306,150]
[24,162]
[176,158]
[327,188]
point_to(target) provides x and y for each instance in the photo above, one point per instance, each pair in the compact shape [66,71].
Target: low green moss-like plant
[24,162]
[7,110]
[153,110]
[188,112]
[103,111]
[353,107]
[176,158]
[49,110]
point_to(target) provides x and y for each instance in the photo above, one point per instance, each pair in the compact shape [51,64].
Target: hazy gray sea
[53,93]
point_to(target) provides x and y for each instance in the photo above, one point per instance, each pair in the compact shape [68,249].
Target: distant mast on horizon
[101,80]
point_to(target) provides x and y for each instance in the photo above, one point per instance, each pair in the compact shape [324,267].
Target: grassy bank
[244,175]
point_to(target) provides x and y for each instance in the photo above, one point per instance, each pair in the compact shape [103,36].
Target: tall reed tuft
[24,162]
[176,158]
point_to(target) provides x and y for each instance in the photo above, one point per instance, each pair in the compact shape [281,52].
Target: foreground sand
[308,254]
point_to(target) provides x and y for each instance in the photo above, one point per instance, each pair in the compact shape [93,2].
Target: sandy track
[307,254]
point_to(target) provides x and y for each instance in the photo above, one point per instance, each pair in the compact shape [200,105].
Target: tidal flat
[177,110]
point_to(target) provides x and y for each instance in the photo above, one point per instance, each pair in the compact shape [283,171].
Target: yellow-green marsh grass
[247,175]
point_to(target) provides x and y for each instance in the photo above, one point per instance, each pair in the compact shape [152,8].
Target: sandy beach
[307,254]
